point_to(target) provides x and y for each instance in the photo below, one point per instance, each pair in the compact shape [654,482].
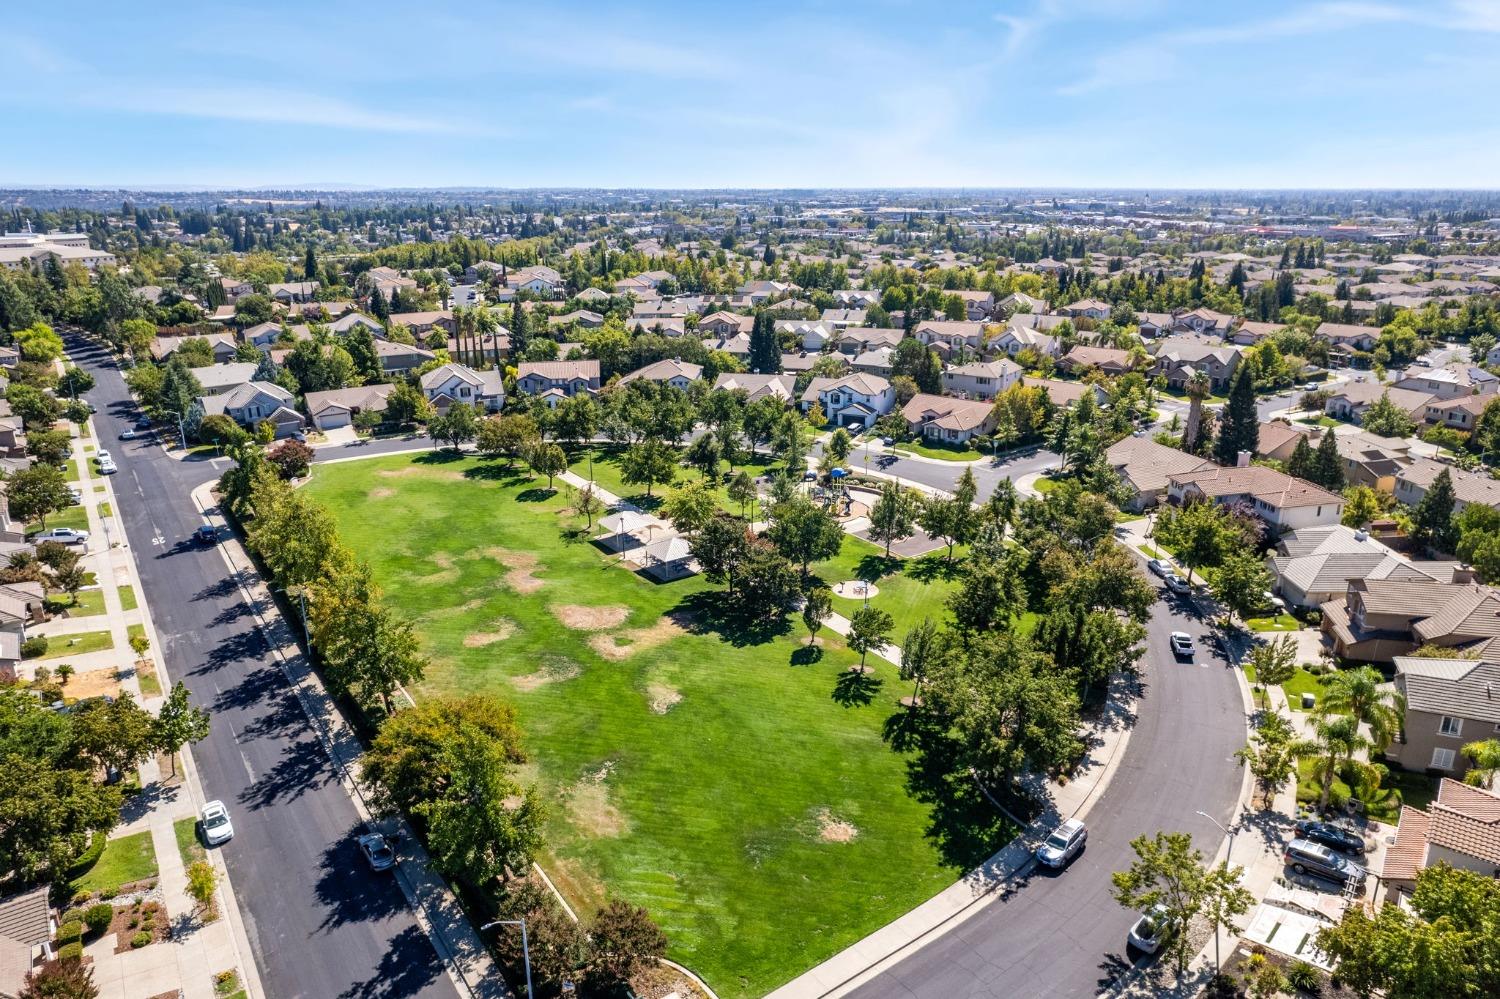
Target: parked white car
[64,535]
[1064,843]
[214,818]
[1160,566]
[1151,930]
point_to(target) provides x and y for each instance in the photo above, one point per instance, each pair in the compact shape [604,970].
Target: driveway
[320,923]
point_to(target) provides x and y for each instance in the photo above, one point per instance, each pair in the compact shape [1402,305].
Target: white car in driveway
[214,818]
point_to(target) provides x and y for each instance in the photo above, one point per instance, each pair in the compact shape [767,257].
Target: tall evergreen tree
[1432,520]
[765,355]
[1239,428]
[1328,467]
[1301,464]
[310,264]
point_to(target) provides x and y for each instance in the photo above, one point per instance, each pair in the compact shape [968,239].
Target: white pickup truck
[64,535]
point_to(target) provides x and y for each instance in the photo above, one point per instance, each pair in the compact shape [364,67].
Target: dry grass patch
[555,669]
[626,644]
[520,564]
[417,471]
[581,618]
[662,698]
[380,493]
[94,683]
[590,808]
[832,829]
[463,608]
[504,628]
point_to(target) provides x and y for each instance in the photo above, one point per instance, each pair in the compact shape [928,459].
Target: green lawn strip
[125,860]
[186,832]
[100,487]
[133,630]
[710,811]
[937,451]
[75,517]
[1151,551]
[77,644]
[1045,484]
[1281,622]
[105,510]
[72,472]
[89,602]
[127,597]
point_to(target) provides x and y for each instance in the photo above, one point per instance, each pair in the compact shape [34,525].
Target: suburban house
[1343,340]
[1461,828]
[669,371]
[1086,308]
[555,380]
[943,418]
[1284,502]
[1372,460]
[1145,467]
[399,358]
[1379,619]
[950,338]
[978,305]
[812,336]
[804,361]
[981,379]
[1449,702]
[1107,359]
[856,400]
[725,324]
[1203,321]
[222,345]
[1314,565]
[1061,393]
[1278,439]
[455,383]
[422,323]
[293,291]
[857,340]
[879,361]
[1019,302]
[1460,414]
[578,317]
[220,378]
[1450,382]
[1413,481]
[1150,325]
[1014,339]
[249,403]
[1178,362]
[758,386]
[338,407]
[1247,334]
[841,318]
[26,931]
[1349,401]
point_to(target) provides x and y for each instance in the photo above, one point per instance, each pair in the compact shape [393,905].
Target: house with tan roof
[758,387]
[943,418]
[1314,565]
[1062,394]
[1379,619]
[338,407]
[1178,362]
[557,380]
[1413,481]
[668,371]
[855,400]
[1460,414]
[1106,359]
[1281,500]
[1146,466]
[1460,828]
[1247,334]
[981,379]
[1452,381]
[1350,400]
[1085,308]
[422,323]
[1203,320]
[725,324]
[1278,439]
[27,927]
[1449,703]
[251,403]
[1016,338]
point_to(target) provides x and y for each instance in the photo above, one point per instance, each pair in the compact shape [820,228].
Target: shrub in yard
[141,939]
[70,952]
[72,915]
[89,858]
[98,917]
[108,894]
[81,896]
[68,932]
[34,646]
[1305,977]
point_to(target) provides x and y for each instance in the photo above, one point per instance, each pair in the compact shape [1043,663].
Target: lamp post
[525,946]
[1226,832]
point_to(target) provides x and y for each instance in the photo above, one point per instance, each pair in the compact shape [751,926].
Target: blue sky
[774,94]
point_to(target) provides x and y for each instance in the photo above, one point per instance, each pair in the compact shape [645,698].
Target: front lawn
[124,861]
[1302,682]
[1399,787]
[75,517]
[1045,484]
[942,452]
[730,782]
[87,603]
[77,644]
[1281,622]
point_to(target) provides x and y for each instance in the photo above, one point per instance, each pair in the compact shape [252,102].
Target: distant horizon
[333,188]
[1291,95]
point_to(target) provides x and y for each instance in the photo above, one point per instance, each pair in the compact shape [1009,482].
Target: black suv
[1337,837]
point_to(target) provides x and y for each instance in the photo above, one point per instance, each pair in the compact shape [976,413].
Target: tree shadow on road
[348,891]
[245,646]
[304,767]
[406,968]
[267,687]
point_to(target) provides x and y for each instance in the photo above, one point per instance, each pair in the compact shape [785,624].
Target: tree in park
[921,650]
[1274,662]
[61,980]
[459,425]
[1387,419]
[1432,520]
[721,548]
[1362,692]
[35,493]
[840,444]
[1239,429]
[575,419]
[1169,871]
[586,501]
[706,454]
[893,517]
[869,629]
[1001,507]
[768,583]
[804,532]
[506,435]
[1328,466]
[1240,582]
[547,459]
[817,607]
[178,723]
[291,458]
[691,507]
[1271,753]
[1446,943]
[989,594]
[741,490]
[650,463]
[765,352]
[625,940]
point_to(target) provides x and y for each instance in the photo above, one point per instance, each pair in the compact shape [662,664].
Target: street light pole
[525,946]
[1230,849]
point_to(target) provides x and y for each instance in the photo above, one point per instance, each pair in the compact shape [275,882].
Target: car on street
[130,435]
[1063,844]
[62,535]
[1182,644]
[377,852]
[1151,930]
[143,424]
[92,408]
[108,467]
[1306,857]
[214,819]
[75,496]
[1331,835]
[104,457]
[206,534]
[1175,582]
[1160,566]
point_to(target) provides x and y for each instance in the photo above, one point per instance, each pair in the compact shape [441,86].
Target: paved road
[945,474]
[1063,935]
[321,925]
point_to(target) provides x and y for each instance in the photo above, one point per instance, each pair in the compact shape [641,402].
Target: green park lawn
[906,589]
[733,783]
[124,860]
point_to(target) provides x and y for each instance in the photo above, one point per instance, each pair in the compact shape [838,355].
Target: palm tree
[1333,745]
[1364,694]
[1198,388]
[488,326]
[1484,758]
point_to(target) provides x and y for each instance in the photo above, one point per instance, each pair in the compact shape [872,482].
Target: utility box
[1308,700]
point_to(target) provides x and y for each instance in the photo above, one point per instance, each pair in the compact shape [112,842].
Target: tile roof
[947,413]
[24,917]
[1148,465]
[1466,820]
[1277,489]
[559,370]
[1408,854]
[1461,688]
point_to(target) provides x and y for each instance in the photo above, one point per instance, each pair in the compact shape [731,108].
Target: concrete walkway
[435,908]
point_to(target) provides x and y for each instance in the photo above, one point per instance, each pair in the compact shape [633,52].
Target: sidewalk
[436,909]
[984,885]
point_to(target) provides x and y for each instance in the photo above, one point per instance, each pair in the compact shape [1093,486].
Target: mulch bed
[660,981]
[150,916]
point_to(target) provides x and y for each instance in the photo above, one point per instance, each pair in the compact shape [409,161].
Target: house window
[1442,759]
[1451,726]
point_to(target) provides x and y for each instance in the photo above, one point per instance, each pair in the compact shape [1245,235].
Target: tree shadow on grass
[930,568]
[806,655]
[440,456]
[876,567]
[536,494]
[643,502]
[491,471]
[716,611]
[856,688]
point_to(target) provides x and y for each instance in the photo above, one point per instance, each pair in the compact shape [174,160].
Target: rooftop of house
[1463,819]
[1148,465]
[1468,487]
[947,412]
[663,370]
[1276,489]
[559,370]
[1461,688]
